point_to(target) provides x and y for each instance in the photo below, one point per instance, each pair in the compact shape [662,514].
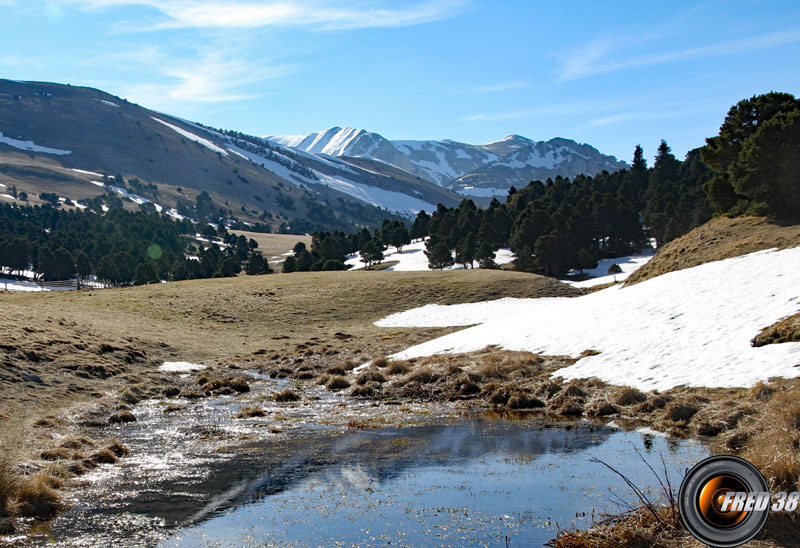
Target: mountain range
[74,142]
[469,170]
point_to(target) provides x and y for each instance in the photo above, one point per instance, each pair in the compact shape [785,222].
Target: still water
[298,477]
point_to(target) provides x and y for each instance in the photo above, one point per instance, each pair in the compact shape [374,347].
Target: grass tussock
[31,496]
[250,412]
[637,529]
[286,395]
[398,368]
[370,375]
[337,382]
[773,445]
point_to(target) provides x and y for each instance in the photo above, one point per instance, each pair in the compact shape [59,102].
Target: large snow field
[691,327]
[413,258]
[628,264]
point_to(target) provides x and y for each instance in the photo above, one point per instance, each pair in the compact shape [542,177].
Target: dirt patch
[718,239]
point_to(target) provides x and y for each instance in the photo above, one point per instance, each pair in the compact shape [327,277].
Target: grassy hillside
[720,238]
[107,134]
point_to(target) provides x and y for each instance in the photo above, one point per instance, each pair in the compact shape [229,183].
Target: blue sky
[611,74]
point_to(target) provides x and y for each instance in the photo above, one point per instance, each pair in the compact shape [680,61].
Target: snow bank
[628,265]
[691,327]
[31,146]
[413,258]
[180,367]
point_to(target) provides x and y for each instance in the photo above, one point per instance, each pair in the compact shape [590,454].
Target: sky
[611,74]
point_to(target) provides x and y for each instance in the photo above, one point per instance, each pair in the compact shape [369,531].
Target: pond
[332,472]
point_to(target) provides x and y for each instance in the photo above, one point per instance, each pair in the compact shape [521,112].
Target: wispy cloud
[213,75]
[506,86]
[597,57]
[315,14]
[17,61]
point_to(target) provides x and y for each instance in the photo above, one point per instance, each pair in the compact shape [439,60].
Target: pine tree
[290,264]
[420,227]
[400,237]
[614,269]
[466,249]
[485,256]
[729,191]
[439,256]
[584,260]
[145,273]
[256,264]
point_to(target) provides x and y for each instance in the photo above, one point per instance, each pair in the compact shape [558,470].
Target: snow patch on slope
[192,137]
[691,327]
[628,264]
[31,146]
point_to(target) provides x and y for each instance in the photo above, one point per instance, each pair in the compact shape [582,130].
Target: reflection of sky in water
[471,484]
[200,478]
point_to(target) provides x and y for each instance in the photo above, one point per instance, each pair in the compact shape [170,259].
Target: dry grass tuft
[773,447]
[60,453]
[9,480]
[104,456]
[250,412]
[638,529]
[523,401]
[761,392]
[680,411]
[398,368]
[630,396]
[286,396]
[122,417]
[370,375]
[36,498]
[380,362]
[422,376]
[337,382]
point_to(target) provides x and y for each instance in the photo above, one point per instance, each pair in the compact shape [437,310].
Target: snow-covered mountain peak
[514,159]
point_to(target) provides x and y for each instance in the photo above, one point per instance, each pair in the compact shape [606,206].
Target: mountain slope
[47,131]
[470,170]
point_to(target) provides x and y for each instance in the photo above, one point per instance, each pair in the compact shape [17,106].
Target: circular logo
[724,501]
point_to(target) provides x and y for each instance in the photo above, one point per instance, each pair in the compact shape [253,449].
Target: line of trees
[119,247]
[558,225]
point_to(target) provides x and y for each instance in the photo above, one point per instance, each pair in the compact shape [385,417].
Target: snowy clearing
[180,367]
[690,327]
[192,137]
[413,258]
[628,265]
[31,146]
[25,285]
